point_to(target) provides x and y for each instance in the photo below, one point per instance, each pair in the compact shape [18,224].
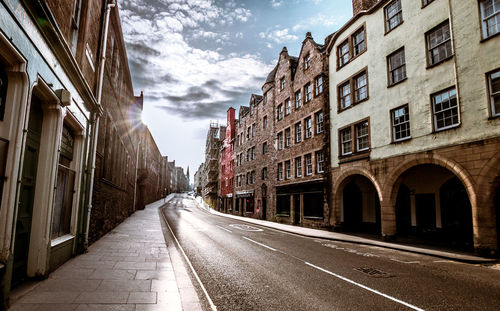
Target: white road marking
[245,227]
[402,261]
[220,227]
[268,247]
[365,287]
[212,305]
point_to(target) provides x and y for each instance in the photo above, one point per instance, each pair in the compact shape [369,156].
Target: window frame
[307,61]
[288,170]
[308,130]
[288,139]
[298,167]
[482,20]
[298,134]
[493,112]
[434,120]
[280,171]
[307,95]
[349,40]
[282,83]
[288,106]
[318,88]
[393,125]
[387,26]
[279,112]
[264,148]
[426,3]
[320,165]
[320,127]
[431,64]
[354,44]
[390,71]
[351,81]
[280,140]
[298,103]
[308,164]
[355,152]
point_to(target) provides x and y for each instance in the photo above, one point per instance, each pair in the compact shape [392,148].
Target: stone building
[210,177]
[226,180]
[198,180]
[415,127]
[57,62]
[301,114]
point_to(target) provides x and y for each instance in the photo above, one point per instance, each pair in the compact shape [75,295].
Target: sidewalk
[322,234]
[130,268]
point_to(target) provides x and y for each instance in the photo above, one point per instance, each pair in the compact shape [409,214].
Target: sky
[193,59]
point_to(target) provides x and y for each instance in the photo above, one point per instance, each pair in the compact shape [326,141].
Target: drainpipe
[95,121]
[136,169]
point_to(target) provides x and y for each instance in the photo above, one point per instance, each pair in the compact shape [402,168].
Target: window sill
[440,62]
[339,110]
[282,215]
[493,117]
[447,128]
[354,157]
[401,140]
[313,217]
[61,240]
[490,37]
[394,84]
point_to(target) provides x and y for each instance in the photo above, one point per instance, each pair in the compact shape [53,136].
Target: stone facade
[226,183]
[211,175]
[415,129]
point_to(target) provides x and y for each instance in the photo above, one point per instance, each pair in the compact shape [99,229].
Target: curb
[327,235]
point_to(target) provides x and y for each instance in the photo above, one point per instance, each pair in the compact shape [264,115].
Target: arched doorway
[433,207]
[360,206]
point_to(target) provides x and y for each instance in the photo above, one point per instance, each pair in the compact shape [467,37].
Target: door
[426,212]
[296,208]
[27,194]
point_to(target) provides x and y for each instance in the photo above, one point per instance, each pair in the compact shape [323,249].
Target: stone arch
[395,179]
[338,186]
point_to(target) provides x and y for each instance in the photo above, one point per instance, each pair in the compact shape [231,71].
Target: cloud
[176,72]
[319,19]
[279,35]
[276,3]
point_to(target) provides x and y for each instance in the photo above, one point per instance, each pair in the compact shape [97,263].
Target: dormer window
[307,61]
[282,84]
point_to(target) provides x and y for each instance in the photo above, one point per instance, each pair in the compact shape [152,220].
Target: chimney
[362,5]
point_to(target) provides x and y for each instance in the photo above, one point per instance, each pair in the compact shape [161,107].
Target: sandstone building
[415,133]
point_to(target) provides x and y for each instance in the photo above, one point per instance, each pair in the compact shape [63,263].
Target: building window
[3,90]
[282,84]
[298,132]
[397,66]
[280,171]
[307,91]
[280,140]
[249,130]
[319,85]
[298,99]
[355,138]
[345,95]
[298,167]
[346,141]
[393,15]
[400,123]
[494,86]
[288,170]
[490,16]
[320,162]
[288,106]
[343,53]
[439,44]
[253,177]
[264,122]
[265,98]
[264,173]
[253,130]
[75,24]
[280,112]
[253,152]
[308,124]
[360,88]
[248,178]
[288,139]
[248,154]
[319,122]
[309,166]
[264,147]
[307,61]
[358,42]
[445,108]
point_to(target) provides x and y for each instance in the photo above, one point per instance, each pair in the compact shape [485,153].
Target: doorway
[27,193]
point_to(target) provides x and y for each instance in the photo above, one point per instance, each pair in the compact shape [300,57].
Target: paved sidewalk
[130,268]
[322,234]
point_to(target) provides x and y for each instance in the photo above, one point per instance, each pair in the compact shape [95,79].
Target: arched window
[3,90]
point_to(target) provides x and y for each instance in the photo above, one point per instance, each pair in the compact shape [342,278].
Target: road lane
[241,274]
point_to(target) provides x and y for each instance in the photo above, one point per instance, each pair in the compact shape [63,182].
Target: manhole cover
[373,272]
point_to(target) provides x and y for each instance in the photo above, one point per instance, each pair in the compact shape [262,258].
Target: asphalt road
[247,267]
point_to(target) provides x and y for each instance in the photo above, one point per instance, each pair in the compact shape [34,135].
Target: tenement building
[254,152]
[415,122]
[226,181]
[211,177]
[301,141]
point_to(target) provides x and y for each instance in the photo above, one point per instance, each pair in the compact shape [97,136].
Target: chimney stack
[362,5]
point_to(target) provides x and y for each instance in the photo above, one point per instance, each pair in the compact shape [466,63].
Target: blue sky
[195,58]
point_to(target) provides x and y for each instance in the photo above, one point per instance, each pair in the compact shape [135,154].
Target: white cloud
[276,3]
[279,35]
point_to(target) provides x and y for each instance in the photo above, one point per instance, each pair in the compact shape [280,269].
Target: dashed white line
[402,261]
[365,287]
[263,245]
[220,227]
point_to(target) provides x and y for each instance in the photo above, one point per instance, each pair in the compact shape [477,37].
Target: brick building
[415,127]
[61,116]
[211,177]
[302,106]
[226,184]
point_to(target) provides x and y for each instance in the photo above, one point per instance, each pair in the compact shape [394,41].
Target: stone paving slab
[127,269]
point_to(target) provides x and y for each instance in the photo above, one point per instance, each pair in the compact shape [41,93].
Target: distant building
[210,178]
[198,177]
[226,183]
